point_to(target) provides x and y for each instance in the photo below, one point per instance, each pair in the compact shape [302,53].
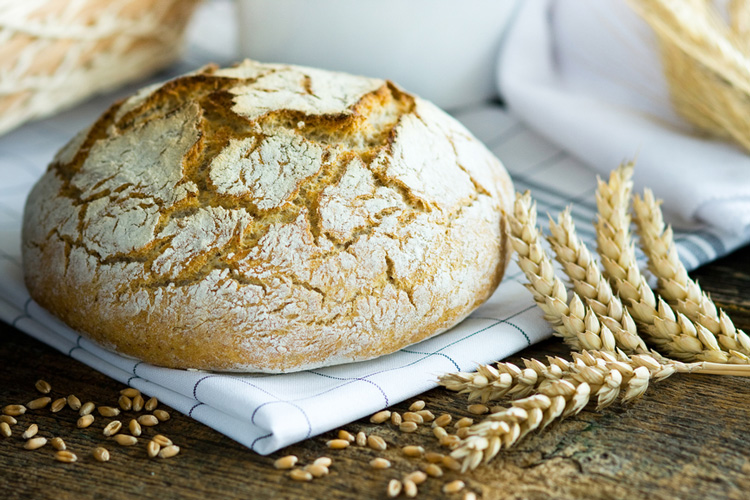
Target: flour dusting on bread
[267,218]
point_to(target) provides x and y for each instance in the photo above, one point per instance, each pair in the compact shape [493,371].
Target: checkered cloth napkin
[267,412]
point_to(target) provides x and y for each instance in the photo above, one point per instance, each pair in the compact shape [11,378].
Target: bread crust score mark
[267,218]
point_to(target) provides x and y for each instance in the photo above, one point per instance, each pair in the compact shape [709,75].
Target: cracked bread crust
[267,218]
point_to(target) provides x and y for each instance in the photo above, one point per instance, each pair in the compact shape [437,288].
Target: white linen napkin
[267,412]
[587,75]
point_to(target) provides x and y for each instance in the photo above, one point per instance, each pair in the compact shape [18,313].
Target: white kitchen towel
[587,75]
[267,412]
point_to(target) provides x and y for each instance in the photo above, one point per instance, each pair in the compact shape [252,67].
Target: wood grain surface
[686,438]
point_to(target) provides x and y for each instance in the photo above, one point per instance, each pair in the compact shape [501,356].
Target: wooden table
[687,438]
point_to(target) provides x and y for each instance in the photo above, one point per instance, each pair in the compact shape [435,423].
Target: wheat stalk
[588,283]
[563,389]
[674,333]
[706,62]
[674,284]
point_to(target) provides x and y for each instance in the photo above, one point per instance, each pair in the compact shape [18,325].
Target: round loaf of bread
[267,218]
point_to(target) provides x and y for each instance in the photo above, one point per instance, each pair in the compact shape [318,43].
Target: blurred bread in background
[54,53]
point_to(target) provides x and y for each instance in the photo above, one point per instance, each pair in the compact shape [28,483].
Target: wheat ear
[706,62]
[674,284]
[564,389]
[588,283]
[675,334]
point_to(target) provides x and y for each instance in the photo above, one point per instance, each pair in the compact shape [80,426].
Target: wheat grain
[286,462]
[5,429]
[65,456]
[101,454]
[35,443]
[380,417]
[380,463]
[58,443]
[317,470]
[410,488]
[417,405]
[325,461]
[453,486]
[38,403]
[14,410]
[130,392]
[169,451]
[361,439]
[74,402]
[43,386]
[8,419]
[412,451]
[394,488]
[376,443]
[433,470]
[675,285]
[30,432]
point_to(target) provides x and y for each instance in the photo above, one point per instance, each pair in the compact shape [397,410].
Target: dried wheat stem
[592,374]
[674,284]
[675,334]
[588,283]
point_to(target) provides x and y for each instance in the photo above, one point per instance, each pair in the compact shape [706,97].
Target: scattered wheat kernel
[497,409]
[470,495]
[317,470]
[380,463]
[108,411]
[152,448]
[426,415]
[417,477]
[451,463]
[286,462]
[65,456]
[125,440]
[463,432]
[74,402]
[112,428]
[464,422]
[324,461]
[478,409]
[408,427]
[417,405]
[8,419]
[130,392]
[361,439]
[376,443]
[34,443]
[38,403]
[101,454]
[413,451]
[138,402]
[86,409]
[151,404]
[300,475]
[380,417]
[148,420]
[410,489]
[162,440]
[58,443]
[5,429]
[433,457]
[337,444]
[169,451]
[433,470]
[14,410]
[450,441]
[58,405]
[396,418]
[442,420]
[162,415]
[413,417]
[394,488]
[439,432]
[85,421]
[125,403]
[453,486]
[346,435]
[134,427]
[30,432]
[43,386]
